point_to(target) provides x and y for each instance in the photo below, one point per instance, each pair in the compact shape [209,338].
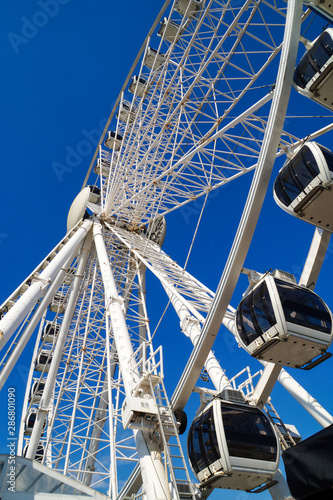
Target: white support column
[23,340]
[37,289]
[315,258]
[191,328]
[114,304]
[155,483]
[309,403]
[266,384]
[58,351]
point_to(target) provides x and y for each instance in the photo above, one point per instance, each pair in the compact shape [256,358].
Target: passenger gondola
[36,391]
[126,112]
[138,86]
[313,75]
[113,140]
[153,59]
[39,452]
[283,323]
[233,446]
[43,362]
[50,331]
[169,30]
[102,167]
[188,7]
[30,422]
[303,186]
[322,7]
[58,304]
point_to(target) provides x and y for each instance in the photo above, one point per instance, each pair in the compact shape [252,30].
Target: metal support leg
[155,484]
[58,352]
[37,289]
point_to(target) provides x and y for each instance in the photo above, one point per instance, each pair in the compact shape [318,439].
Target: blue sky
[62,69]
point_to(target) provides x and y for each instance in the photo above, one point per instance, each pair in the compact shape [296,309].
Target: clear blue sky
[59,81]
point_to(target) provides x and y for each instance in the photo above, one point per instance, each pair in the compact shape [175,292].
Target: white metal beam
[315,258]
[58,351]
[38,287]
[252,207]
[152,469]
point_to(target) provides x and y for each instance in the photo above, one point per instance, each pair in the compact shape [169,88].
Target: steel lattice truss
[79,420]
[201,118]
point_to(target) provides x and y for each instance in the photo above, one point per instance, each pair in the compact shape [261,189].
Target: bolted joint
[187,323]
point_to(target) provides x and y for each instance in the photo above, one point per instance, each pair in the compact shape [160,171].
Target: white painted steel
[58,352]
[152,468]
[252,208]
[309,403]
[114,304]
[196,128]
[23,340]
[38,288]
[315,258]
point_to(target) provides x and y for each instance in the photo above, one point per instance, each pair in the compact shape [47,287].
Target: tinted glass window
[295,176]
[329,158]
[313,60]
[197,449]
[305,167]
[248,433]
[289,183]
[304,72]
[255,315]
[245,326]
[209,439]
[280,193]
[303,307]
[262,309]
[202,442]
[322,50]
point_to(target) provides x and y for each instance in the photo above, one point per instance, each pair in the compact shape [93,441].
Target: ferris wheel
[212,95]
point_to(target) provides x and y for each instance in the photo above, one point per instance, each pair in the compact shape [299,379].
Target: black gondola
[303,186]
[126,112]
[113,140]
[30,422]
[138,86]
[43,361]
[322,7]
[283,323]
[36,391]
[50,331]
[169,30]
[313,75]
[39,452]
[233,446]
[188,7]
[153,59]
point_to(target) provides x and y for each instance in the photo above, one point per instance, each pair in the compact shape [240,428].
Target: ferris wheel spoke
[193,106]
